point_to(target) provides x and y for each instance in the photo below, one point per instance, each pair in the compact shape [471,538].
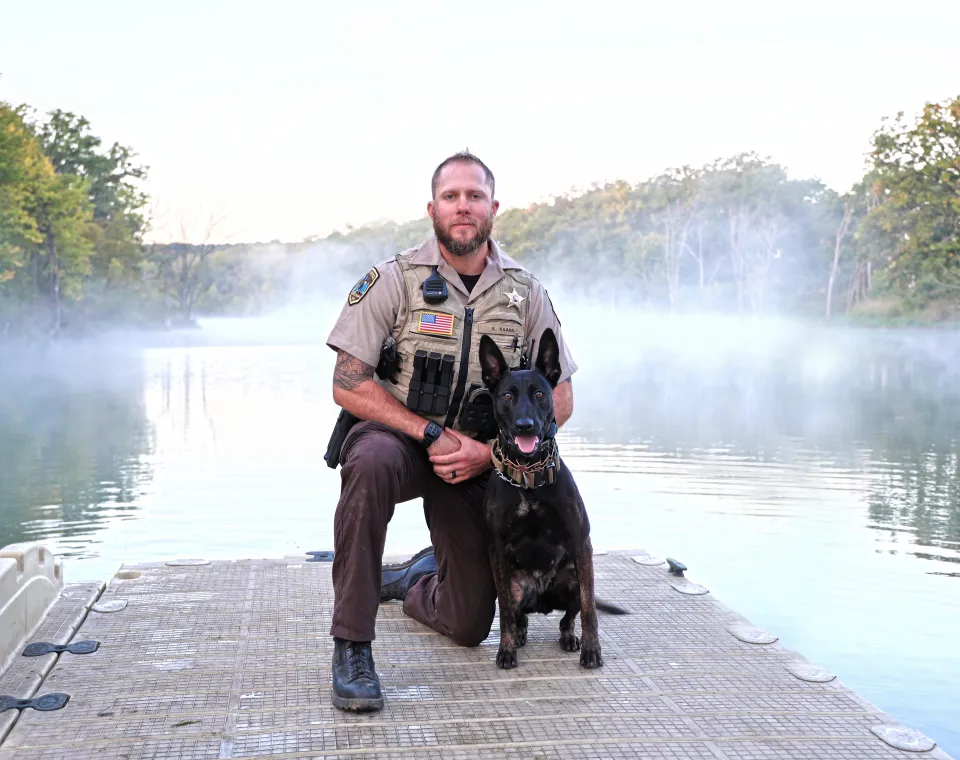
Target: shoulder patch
[358,291]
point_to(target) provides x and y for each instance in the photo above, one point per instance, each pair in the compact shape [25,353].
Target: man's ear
[492,364]
[548,358]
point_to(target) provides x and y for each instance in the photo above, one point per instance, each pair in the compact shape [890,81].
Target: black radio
[434,288]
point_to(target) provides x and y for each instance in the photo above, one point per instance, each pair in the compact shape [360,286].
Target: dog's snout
[524,425]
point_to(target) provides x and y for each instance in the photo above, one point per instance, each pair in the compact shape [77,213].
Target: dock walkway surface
[232,659]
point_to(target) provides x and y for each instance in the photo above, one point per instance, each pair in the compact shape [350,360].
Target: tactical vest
[439,375]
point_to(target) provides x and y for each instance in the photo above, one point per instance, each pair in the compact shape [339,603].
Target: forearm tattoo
[350,372]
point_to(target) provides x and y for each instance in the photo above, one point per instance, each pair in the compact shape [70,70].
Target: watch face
[432,432]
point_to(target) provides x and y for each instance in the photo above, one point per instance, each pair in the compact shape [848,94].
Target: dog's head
[522,399]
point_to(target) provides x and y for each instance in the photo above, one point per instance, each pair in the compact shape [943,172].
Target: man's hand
[446,444]
[472,459]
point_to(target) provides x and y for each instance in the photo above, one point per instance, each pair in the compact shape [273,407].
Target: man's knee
[471,630]
[371,448]
[470,637]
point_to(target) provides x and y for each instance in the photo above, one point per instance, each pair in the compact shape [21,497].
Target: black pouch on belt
[477,413]
[389,361]
[344,422]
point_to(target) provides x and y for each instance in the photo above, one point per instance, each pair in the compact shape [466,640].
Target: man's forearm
[355,390]
[369,401]
[563,402]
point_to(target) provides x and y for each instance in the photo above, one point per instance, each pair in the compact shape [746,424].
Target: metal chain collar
[533,475]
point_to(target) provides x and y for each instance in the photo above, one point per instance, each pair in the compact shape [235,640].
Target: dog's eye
[507,396]
[538,395]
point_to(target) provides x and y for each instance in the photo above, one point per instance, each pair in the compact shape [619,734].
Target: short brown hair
[463,157]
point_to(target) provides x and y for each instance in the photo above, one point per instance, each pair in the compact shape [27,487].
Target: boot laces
[359,660]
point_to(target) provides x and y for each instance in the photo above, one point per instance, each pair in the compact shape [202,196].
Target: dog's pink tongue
[527,443]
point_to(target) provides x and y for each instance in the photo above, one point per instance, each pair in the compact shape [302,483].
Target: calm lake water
[809,477]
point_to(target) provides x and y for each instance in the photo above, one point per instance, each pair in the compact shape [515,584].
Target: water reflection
[919,496]
[74,441]
[867,410]
[717,410]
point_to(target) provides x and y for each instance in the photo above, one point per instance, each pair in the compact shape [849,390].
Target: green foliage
[22,168]
[71,223]
[46,230]
[912,231]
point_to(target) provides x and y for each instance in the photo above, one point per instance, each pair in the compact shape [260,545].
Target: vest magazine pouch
[432,378]
[416,385]
[430,388]
[442,400]
[476,414]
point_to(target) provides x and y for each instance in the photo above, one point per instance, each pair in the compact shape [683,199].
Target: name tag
[503,329]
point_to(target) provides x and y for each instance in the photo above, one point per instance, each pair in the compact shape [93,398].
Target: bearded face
[463,235]
[463,209]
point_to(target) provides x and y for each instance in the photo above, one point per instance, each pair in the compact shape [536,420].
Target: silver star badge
[514,299]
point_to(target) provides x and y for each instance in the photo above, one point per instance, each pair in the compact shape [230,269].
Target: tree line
[71,223]
[738,234]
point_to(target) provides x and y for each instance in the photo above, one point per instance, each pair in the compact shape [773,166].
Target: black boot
[356,685]
[397,580]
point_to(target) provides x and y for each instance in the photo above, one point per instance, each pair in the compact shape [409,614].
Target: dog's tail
[613,609]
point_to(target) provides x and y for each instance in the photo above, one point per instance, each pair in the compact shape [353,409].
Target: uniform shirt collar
[497,261]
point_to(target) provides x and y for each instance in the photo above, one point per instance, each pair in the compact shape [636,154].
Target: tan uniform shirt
[362,326]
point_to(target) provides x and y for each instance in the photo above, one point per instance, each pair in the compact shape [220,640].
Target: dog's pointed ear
[548,358]
[492,364]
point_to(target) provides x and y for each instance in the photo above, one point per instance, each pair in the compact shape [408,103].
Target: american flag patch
[434,323]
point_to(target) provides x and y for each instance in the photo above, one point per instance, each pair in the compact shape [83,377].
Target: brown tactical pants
[382,467]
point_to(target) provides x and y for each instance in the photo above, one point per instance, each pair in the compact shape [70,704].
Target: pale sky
[290,119]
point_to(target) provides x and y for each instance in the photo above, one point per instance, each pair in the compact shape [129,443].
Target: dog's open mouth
[527,443]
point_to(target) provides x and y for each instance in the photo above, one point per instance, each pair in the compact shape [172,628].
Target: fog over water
[809,476]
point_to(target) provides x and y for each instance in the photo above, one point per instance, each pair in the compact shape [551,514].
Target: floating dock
[192,659]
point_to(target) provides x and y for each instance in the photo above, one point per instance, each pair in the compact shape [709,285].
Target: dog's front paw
[522,622]
[506,658]
[590,657]
[569,642]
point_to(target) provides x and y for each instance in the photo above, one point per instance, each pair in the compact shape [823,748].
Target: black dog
[541,553]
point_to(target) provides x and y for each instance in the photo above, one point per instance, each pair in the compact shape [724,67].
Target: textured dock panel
[232,660]
[25,676]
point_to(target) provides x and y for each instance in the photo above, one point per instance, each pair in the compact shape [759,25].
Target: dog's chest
[531,518]
[527,507]
[534,537]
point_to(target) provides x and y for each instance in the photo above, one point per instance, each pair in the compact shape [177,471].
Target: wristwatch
[432,432]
